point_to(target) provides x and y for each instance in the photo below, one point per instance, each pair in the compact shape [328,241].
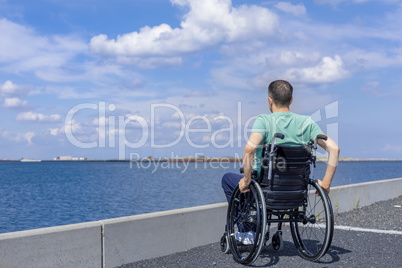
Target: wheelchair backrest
[287,187]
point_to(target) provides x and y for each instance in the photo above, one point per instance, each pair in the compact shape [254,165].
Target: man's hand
[248,158]
[324,185]
[243,185]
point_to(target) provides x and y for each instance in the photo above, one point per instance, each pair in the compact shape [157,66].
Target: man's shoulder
[302,116]
[262,116]
[304,120]
[275,118]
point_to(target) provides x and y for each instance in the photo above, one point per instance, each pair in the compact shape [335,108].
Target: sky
[129,79]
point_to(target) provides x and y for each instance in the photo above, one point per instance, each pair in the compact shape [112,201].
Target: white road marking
[357,229]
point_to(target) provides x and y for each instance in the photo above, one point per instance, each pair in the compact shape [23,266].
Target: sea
[44,194]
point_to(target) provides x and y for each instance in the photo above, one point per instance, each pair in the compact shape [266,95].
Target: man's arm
[248,157]
[333,155]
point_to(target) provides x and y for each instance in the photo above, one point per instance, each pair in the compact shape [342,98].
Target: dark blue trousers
[229,182]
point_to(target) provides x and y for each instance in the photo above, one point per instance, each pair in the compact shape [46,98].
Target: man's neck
[280,110]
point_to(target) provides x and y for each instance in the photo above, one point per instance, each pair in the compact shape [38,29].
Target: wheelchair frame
[250,210]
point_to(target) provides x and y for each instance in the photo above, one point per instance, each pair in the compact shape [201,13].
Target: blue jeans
[229,182]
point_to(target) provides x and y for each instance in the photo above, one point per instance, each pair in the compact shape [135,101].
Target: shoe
[246,238]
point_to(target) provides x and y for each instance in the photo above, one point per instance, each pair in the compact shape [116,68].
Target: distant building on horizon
[66,158]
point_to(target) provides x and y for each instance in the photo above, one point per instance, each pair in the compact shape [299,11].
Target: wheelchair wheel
[277,241]
[225,244]
[246,224]
[312,236]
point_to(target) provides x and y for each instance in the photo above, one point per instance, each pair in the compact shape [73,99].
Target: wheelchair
[284,192]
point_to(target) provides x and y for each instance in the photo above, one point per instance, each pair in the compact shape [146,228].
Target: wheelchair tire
[313,235]
[277,241]
[246,213]
[224,243]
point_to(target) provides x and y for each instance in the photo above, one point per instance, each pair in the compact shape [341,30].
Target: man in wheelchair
[294,136]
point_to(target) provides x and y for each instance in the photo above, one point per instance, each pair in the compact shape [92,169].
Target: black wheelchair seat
[287,187]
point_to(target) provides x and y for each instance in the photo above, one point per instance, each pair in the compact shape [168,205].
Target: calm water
[35,195]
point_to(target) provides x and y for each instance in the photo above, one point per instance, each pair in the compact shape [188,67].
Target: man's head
[280,94]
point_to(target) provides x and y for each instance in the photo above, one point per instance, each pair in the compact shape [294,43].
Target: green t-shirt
[298,130]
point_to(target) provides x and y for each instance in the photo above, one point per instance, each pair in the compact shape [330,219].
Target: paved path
[365,248]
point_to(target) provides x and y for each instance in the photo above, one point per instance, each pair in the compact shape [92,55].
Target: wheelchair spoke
[313,208]
[246,224]
[313,238]
[312,232]
[319,228]
[235,221]
[322,211]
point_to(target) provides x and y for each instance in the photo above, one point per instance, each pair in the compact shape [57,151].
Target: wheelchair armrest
[253,173]
[279,135]
[322,137]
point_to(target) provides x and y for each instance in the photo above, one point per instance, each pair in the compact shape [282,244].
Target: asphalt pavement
[367,247]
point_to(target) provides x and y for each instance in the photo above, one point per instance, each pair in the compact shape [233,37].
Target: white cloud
[96,72]
[66,92]
[38,117]
[81,131]
[25,50]
[101,121]
[53,57]
[331,2]
[297,10]
[150,62]
[295,58]
[7,135]
[363,59]
[256,69]
[9,89]
[54,131]
[14,103]
[336,2]
[327,71]
[206,24]
[28,136]
[17,137]
[72,127]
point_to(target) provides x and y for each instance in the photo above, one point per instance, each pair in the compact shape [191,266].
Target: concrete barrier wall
[135,238]
[114,242]
[75,245]
[354,196]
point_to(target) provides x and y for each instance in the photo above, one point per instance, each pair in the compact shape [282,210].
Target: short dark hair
[281,92]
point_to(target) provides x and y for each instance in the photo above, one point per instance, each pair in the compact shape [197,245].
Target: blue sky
[103,79]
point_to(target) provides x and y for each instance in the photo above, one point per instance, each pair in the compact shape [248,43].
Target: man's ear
[291,100]
[270,101]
